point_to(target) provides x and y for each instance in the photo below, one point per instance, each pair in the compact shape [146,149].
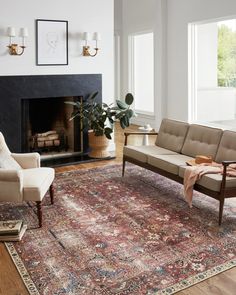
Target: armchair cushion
[36,182]
[8,162]
[27,160]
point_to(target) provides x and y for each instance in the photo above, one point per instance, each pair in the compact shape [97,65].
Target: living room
[104,233]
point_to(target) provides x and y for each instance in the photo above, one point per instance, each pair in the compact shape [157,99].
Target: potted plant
[99,118]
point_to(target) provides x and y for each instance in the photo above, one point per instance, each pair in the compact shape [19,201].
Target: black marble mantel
[15,88]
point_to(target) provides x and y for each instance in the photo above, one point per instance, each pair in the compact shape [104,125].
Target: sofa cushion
[227,147]
[212,181]
[202,140]
[141,153]
[172,134]
[169,163]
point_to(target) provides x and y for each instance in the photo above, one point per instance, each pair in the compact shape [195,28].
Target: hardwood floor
[10,281]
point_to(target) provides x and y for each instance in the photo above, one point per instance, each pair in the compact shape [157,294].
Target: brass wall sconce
[16,49]
[86,48]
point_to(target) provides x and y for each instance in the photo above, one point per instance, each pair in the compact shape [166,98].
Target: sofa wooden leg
[39,212]
[221,210]
[123,168]
[51,189]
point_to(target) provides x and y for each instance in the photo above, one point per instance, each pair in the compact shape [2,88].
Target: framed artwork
[51,42]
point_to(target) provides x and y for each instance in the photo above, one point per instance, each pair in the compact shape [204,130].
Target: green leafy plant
[100,117]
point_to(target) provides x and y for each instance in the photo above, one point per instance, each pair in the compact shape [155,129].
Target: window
[227,53]
[142,72]
[213,73]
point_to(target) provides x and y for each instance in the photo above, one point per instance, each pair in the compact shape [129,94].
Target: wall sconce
[96,37]
[15,49]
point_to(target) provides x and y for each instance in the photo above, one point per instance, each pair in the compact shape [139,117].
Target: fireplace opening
[46,127]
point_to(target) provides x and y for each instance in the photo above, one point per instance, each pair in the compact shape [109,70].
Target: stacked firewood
[46,139]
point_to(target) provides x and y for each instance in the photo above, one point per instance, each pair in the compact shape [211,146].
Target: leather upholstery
[201,140]
[172,135]
[227,147]
[141,153]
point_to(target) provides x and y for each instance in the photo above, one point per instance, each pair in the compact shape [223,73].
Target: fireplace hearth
[33,105]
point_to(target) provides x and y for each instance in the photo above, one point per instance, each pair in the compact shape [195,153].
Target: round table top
[145,129]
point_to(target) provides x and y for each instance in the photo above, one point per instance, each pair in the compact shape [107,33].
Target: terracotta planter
[98,146]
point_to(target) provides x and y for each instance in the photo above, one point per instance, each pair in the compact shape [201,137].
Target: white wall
[118,16]
[143,73]
[82,16]
[140,16]
[180,13]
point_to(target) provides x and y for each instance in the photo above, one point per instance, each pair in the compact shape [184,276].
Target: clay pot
[98,146]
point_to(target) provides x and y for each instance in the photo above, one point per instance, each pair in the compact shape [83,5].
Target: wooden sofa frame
[220,196]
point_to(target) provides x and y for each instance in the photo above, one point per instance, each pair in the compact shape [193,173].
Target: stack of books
[12,230]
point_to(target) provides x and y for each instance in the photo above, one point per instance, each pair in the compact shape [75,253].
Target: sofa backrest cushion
[172,134]
[202,140]
[227,147]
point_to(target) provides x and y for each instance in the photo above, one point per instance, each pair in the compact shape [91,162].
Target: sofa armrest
[224,174]
[11,185]
[227,163]
[27,160]
[138,133]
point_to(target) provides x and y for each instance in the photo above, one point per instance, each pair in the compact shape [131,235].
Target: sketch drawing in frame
[51,42]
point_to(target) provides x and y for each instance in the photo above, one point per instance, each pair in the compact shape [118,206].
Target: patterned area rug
[111,235]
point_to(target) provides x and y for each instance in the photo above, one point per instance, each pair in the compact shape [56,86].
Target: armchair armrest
[10,175]
[27,160]
[138,133]
[11,185]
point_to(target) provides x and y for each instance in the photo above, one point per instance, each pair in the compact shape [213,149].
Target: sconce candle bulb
[24,33]
[11,32]
[97,37]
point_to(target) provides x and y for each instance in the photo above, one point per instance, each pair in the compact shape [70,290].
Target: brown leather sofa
[178,142]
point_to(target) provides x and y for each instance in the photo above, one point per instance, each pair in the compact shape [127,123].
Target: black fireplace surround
[14,89]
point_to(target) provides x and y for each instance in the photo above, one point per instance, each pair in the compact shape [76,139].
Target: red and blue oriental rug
[111,235]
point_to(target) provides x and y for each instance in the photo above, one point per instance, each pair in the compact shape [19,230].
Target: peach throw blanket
[194,173]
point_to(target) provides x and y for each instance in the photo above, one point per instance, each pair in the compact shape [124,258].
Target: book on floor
[10,227]
[14,237]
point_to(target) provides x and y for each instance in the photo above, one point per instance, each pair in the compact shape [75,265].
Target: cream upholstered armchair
[22,178]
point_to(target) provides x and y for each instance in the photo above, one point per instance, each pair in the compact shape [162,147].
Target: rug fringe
[187,283]
[29,284]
